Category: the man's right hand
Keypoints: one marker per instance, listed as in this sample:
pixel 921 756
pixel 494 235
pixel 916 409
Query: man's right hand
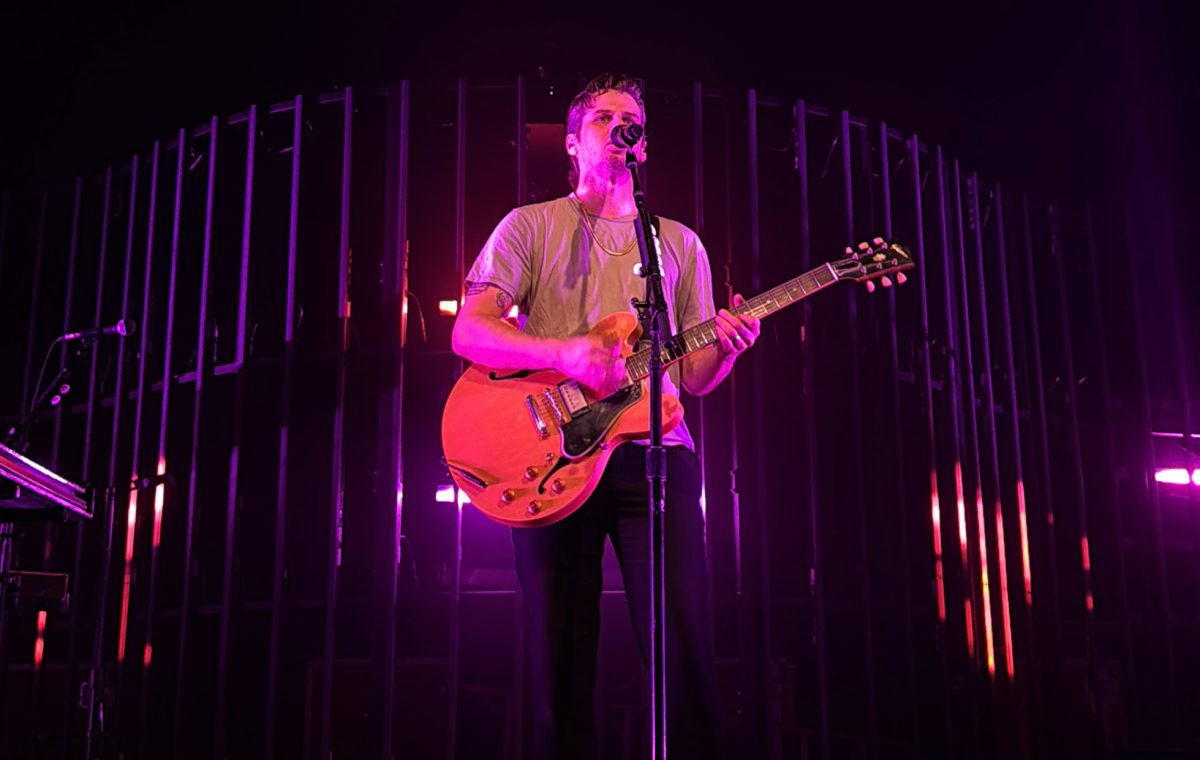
pixel 595 361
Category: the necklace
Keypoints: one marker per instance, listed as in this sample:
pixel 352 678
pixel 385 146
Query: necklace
pixel 592 232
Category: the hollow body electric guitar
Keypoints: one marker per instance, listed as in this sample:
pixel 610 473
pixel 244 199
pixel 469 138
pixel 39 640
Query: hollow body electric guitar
pixel 528 447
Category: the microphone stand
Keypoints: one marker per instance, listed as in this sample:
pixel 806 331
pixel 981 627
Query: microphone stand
pixel 650 311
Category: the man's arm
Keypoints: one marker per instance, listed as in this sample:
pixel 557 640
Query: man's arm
pixel 480 335
pixel 703 371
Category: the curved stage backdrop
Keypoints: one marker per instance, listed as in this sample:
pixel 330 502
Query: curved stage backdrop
pixel 933 520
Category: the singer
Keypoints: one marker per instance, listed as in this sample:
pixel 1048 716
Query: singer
pixel 566 264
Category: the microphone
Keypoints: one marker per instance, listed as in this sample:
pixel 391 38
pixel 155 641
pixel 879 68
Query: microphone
pixel 627 135
pixel 123 327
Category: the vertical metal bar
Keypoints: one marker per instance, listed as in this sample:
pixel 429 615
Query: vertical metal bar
pixel 118 398
pixel 395 285
pixel 935 505
pixel 989 419
pixel 1110 450
pixel 337 468
pixel 235 449
pixel 124 490
pixel 811 474
pixel 762 581
pixel 460 220
pixel 35 291
pixel 971 420
pixel 1033 677
pixel 1183 386
pixel 1149 482
pixel 161 467
pixel 734 465
pixel 139 404
pixel 518 616
pixel 860 496
pixel 1042 424
pixel 197 408
pixel 289 354
pixel 91 400
pixel 1064 318
pixel 698 406
pixel 953 383
pixel 70 697
pixel 914 718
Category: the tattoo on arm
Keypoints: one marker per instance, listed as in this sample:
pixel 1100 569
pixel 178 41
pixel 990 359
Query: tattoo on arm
pixel 503 299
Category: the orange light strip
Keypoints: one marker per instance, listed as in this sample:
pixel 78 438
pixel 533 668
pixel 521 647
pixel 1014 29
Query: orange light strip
pixel 147 655
pixel 39 645
pixel 970 628
pixel 989 642
pixel 961 504
pixel 935 508
pixel 1026 571
pixel 1087 570
pixel 131 524
pixel 1004 612
pixel 159 496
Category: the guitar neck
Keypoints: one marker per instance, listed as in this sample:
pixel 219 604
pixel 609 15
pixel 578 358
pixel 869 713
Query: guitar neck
pixel 705 334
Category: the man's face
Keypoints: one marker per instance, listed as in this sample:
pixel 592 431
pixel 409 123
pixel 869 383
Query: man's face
pixel 592 147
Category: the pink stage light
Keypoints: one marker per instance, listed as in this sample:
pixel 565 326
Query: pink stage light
pixel 1177 476
pixel 445 495
pixel 39 646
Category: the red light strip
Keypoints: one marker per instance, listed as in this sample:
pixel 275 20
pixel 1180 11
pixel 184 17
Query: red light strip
pixel 935 508
pixel 961 503
pixel 1004 612
pixel 1026 571
pixel 1087 570
pixel 985 584
pixel 39 646
pixel 970 627
pixel 131 524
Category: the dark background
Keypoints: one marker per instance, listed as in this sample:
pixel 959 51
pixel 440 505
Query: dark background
pixel 1088 104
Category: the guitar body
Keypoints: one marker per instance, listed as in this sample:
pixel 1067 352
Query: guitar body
pixel 529 447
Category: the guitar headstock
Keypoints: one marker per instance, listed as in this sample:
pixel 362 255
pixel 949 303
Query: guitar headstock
pixel 872 260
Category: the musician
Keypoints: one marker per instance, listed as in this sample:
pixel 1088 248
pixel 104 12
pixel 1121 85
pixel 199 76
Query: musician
pixel 566 264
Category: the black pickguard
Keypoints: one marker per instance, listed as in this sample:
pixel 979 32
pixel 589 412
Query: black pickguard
pixel 583 432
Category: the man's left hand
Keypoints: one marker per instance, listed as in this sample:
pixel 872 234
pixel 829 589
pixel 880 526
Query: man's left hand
pixel 736 332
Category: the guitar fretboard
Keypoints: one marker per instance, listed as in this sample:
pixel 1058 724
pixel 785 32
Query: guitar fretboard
pixel 705 333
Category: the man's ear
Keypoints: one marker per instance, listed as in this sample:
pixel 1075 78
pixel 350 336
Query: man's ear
pixel 570 142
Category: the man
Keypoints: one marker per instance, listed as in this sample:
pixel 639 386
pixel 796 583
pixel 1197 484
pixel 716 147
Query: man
pixel 566 264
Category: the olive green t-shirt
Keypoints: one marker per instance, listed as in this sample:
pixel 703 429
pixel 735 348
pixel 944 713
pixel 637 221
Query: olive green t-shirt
pixel 563 282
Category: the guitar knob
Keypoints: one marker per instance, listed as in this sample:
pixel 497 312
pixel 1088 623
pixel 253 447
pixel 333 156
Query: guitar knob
pixel 507 496
pixel 535 506
pixel 549 457
pixel 530 473
pixel 558 486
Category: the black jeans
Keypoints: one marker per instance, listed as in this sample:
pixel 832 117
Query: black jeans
pixel 559 568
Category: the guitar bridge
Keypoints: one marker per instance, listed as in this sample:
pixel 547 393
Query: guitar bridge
pixel 536 416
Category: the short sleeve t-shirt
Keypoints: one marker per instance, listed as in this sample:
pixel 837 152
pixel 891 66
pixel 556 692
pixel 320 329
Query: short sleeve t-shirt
pixel 563 282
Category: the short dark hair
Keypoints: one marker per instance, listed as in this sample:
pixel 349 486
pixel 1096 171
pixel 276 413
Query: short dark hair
pixel 599 85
